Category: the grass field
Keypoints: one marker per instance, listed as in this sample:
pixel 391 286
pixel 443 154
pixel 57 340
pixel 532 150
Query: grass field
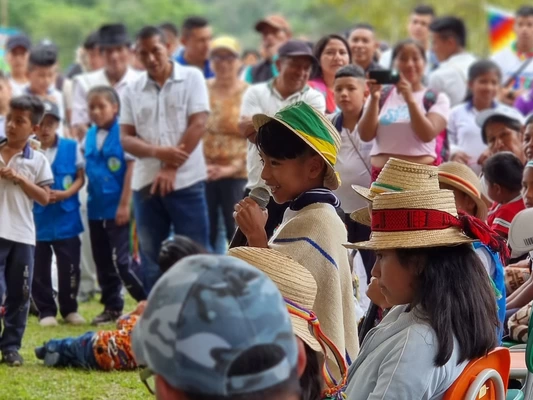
pixel 34 381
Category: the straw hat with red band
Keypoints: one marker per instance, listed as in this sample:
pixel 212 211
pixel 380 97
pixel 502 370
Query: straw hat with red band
pixel 396 176
pixel 462 178
pixel 415 219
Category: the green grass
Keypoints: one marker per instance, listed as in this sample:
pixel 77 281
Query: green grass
pixel 35 381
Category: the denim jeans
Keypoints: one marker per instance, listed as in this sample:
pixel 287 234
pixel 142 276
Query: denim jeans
pixel 184 210
pixel 16 274
pixel 74 351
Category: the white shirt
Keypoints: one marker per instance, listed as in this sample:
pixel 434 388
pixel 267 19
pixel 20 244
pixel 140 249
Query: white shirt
pixel 160 117
pixel 263 98
pixel 465 135
pixel 352 169
pixel 17 89
pixel 16 208
pixel 509 63
pixel 85 82
pixel 2 126
pixel 451 77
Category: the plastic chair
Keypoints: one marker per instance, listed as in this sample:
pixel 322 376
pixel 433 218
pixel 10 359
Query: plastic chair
pixel 485 378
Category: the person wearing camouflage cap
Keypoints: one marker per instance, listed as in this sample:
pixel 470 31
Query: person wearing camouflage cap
pixel 217 328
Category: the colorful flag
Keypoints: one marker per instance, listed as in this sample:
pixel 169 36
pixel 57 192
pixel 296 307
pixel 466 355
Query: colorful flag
pixel 501 32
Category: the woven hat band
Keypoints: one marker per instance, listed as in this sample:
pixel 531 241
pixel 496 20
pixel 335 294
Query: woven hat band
pixel 403 220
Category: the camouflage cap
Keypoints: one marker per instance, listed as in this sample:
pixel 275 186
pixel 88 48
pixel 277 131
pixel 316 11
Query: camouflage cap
pixel 205 313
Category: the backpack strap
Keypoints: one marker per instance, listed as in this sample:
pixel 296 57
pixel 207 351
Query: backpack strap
pixel 337 121
pixel 385 93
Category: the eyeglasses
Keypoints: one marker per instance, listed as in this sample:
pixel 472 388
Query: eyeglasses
pixel 147 377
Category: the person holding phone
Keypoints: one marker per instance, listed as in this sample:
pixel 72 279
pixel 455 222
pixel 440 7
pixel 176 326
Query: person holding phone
pixel 406 118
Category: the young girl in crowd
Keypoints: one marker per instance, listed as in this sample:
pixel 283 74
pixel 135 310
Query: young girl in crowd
pixel 109 171
pixel 111 350
pixel 428 270
pixel 299 147
pixel 464 135
pixel 405 119
pixel 503 175
pixel 332 53
pixel 298 288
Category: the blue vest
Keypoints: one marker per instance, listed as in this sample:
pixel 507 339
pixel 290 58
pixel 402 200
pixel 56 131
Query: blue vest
pixel 61 220
pixel 106 170
pixel 499 282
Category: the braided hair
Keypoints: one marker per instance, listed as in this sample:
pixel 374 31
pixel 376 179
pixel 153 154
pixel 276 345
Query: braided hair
pixel 107 91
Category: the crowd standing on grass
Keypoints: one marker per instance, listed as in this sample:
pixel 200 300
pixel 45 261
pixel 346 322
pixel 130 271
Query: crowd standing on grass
pixel 396 182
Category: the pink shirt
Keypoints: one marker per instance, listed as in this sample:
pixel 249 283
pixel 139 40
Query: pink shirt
pixel 395 134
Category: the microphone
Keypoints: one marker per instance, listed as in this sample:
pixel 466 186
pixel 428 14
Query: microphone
pixel 261 196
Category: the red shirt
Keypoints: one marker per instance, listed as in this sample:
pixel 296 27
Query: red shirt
pixel 501 215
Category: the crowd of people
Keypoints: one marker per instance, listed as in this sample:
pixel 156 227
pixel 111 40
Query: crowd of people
pixel 132 170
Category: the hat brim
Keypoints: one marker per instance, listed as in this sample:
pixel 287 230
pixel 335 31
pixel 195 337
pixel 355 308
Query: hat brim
pixel 365 193
pixel 331 180
pixel 412 240
pixel 223 47
pixel 301 54
pixel 260 25
pixel 300 328
pixel 481 206
pixel 362 216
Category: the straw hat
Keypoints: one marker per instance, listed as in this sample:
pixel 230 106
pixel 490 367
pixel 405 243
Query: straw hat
pixel 293 280
pixel 396 176
pixel 314 129
pixel 462 178
pixel 414 219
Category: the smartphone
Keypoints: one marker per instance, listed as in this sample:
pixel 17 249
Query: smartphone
pixel 384 77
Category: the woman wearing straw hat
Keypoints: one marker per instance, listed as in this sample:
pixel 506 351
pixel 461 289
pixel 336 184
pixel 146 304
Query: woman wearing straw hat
pixel 299 290
pixel 299 147
pixel 444 313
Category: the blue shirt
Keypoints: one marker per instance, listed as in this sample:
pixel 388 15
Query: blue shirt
pixel 207 71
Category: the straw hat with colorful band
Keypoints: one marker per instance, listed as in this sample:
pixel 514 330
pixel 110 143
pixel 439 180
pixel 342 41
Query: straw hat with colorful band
pixel 462 178
pixel 396 176
pixel 399 175
pixel 414 219
pixel 314 129
pixel 293 280
pixel 335 389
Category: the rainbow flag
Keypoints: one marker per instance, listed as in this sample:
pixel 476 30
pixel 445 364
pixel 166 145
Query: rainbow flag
pixel 501 33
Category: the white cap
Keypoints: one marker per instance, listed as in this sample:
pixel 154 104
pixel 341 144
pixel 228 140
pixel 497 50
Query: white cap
pixel 521 233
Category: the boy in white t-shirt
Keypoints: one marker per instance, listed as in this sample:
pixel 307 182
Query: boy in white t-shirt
pixel 25 177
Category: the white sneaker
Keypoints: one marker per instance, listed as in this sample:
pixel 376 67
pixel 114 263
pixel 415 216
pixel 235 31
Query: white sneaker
pixel 75 319
pixel 48 321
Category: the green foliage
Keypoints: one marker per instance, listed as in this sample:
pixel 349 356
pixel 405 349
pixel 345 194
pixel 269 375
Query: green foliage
pixel 67 22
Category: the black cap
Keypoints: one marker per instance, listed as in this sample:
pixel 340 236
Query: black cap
pixel 18 41
pixel 113 35
pixel 51 109
pixel 296 48
pixel 43 55
pixel 50 45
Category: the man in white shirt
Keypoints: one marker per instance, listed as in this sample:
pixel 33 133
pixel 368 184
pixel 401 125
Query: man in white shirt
pixel 294 64
pixel 418 29
pixel 448 37
pixel 114 44
pixel 163 119
pixel 511 59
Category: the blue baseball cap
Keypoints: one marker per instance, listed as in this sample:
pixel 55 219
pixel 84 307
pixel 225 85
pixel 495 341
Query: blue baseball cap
pixel 207 314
